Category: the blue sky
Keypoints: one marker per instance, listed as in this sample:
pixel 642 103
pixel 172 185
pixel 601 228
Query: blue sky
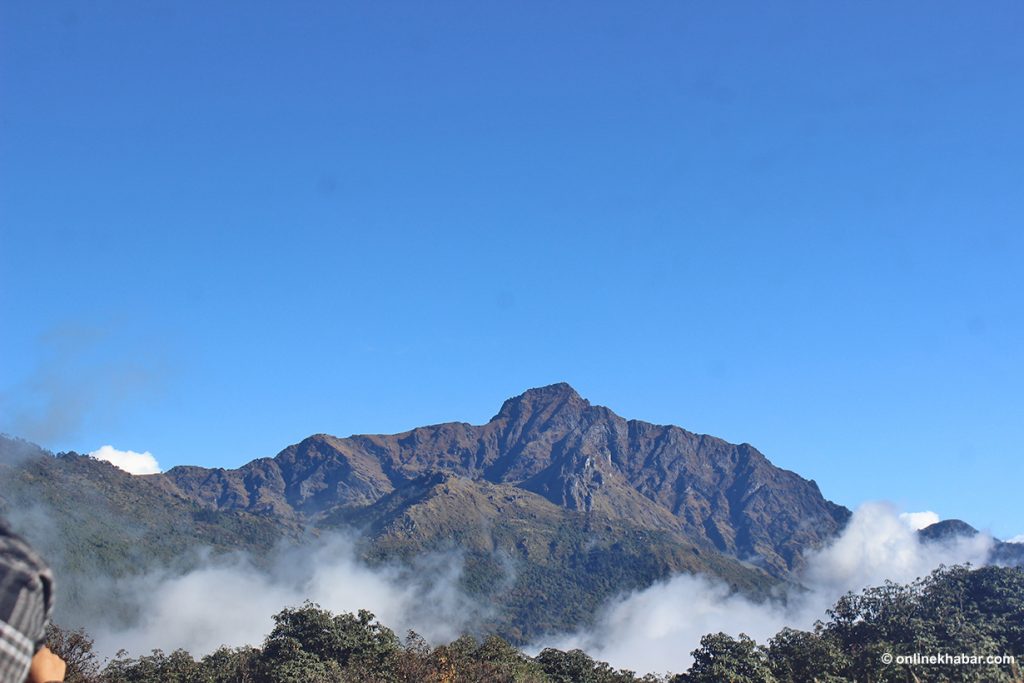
pixel 799 225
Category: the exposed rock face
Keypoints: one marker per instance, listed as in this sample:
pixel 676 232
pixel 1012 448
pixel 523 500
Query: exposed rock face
pixel 552 442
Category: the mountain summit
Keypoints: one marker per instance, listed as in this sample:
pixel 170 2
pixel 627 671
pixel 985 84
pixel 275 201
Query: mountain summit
pixel 554 398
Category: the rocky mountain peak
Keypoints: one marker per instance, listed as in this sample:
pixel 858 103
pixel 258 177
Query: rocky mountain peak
pixel 550 401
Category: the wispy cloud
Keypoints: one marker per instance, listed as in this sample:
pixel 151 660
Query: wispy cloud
pixel 83 374
pixel 229 601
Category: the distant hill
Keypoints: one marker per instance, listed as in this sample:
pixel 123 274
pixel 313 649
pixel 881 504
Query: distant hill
pixel 96 523
pixel 1007 554
pixel 582 503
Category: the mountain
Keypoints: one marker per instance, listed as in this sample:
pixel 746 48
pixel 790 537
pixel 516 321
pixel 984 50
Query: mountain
pixel 555 505
pixel 553 443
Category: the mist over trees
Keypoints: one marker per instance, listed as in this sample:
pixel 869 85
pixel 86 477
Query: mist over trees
pixel 953 611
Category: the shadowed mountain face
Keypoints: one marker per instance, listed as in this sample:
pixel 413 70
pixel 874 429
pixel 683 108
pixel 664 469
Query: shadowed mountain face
pixel 555 445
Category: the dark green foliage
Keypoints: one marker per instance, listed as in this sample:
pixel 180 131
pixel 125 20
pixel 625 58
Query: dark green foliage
pixel 955 611
pixel 311 638
pixel 177 667
pixel 230 665
pixel 721 658
pixel 466 661
pixel 802 656
pixel 576 666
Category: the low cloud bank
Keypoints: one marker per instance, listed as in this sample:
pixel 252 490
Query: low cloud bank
pixel 229 601
pixel 655 629
pixel 129 461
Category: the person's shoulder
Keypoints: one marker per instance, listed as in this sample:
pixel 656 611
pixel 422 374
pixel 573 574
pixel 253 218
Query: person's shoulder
pixel 17 553
pixel 26 594
pixel 23 572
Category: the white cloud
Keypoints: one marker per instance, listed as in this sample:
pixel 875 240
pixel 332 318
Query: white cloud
pixel 878 545
pixel 652 630
pixel 228 601
pixel 919 520
pixel 1019 538
pixel 655 629
pixel 129 461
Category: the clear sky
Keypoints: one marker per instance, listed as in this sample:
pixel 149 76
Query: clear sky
pixel 227 226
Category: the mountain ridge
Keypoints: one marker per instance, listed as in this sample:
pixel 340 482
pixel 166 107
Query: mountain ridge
pixel 553 442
